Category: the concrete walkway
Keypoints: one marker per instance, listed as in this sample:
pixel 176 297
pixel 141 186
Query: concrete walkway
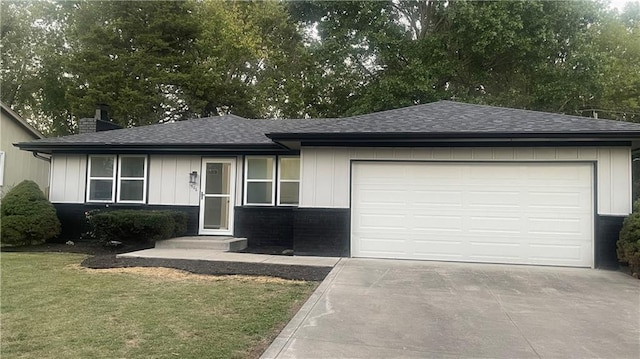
pixel 212 255
pixel 409 309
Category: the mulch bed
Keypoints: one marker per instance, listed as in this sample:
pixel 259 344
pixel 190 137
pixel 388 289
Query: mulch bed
pixel 105 257
pixel 295 272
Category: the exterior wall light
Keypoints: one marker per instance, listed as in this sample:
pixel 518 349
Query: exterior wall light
pixel 193 177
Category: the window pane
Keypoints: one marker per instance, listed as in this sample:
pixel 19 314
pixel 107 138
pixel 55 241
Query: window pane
pixel 260 168
pixel 289 192
pixel 218 178
pixel 131 190
pixel 290 168
pixel 132 167
pixel 100 190
pixel 259 193
pixel 102 166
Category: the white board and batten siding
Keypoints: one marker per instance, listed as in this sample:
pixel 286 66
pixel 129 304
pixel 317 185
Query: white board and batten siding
pixel 168 179
pixel 68 178
pixel 326 171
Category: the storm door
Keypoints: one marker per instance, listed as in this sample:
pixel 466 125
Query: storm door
pixel 216 196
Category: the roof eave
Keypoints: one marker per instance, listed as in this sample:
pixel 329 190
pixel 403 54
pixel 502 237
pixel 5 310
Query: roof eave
pixel 21 121
pixel 383 136
pixel 144 148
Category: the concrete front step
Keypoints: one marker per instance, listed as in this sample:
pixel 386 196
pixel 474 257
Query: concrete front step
pixel 228 244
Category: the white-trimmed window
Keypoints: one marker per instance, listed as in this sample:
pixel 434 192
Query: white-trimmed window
pixel 260 185
pixel 101 182
pixel 122 177
pixel 288 181
pixel 132 179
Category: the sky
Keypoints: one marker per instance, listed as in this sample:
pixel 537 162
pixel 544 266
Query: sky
pixel 619 4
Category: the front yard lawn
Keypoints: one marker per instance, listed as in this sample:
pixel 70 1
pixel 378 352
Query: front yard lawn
pixel 50 307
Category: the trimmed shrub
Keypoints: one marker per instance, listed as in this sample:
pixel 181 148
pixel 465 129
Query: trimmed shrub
pixel 180 219
pixel 27 217
pixel 629 241
pixel 137 225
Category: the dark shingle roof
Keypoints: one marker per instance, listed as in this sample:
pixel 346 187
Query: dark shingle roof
pixel 456 117
pixel 438 119
pixel 212 130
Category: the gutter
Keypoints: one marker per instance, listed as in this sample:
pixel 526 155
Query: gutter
pixel 39 156
pixel 381 136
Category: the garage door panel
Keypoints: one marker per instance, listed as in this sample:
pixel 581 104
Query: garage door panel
pixel 559 200
pixel 551 253
pixel 421 197
pixel 436 223
pixel 382 222
pixel 495 198
pixel 387 197
pixel 528 213
pixel 485 251
pixel 381 246
pixel 557 226
pixel 495 224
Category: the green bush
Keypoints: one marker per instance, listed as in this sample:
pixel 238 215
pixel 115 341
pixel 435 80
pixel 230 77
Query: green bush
pixel 629 241
pixel 137 225
pixel 27 217
pixel 180 219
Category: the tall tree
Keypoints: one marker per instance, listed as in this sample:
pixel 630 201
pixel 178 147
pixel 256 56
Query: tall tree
pixel 133 56
pixel 534 54
pixel 249 62
pixel 31 45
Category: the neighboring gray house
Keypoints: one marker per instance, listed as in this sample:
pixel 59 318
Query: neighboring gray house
pixel 15 165
pixel 441 181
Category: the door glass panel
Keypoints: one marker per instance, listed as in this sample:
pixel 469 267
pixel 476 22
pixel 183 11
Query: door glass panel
pixel 217 178
pixel 216 213
pixel 102 166
pixel 289 192
pixel 259 192
pixel 260 168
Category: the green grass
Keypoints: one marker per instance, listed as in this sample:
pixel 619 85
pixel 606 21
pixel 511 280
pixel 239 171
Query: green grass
pixel 50 308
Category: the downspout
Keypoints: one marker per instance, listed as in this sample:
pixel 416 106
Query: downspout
pixel 39 156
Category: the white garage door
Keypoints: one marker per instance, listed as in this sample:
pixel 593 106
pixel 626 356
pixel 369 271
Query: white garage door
pixel 526 213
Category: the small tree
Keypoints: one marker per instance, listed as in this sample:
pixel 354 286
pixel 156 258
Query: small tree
pixel 629 241
pixel 27 217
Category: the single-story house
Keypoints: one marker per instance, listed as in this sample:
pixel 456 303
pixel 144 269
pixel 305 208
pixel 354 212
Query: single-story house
pixel 15 165
pixel 443 181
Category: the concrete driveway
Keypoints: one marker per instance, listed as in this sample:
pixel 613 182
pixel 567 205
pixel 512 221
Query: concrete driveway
pixel 389 308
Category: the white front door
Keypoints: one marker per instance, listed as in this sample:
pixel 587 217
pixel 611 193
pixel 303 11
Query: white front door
pixel 217 191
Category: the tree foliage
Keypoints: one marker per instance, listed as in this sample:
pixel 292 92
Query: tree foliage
pixel 172 60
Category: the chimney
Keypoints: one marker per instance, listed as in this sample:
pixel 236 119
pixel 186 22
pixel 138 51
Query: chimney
pixel 100 122
pixel 86 125
pixel 102 112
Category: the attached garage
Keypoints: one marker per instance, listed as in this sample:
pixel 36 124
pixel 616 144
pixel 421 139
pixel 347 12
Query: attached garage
pixel 497 212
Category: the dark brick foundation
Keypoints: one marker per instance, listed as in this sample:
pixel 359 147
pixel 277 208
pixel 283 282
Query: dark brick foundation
pixel 607 233
pixel 73 222
pixel 264 226
pixel 322 231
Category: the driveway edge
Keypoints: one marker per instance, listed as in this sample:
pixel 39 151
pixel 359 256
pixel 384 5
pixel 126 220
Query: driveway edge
pixel 285 335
